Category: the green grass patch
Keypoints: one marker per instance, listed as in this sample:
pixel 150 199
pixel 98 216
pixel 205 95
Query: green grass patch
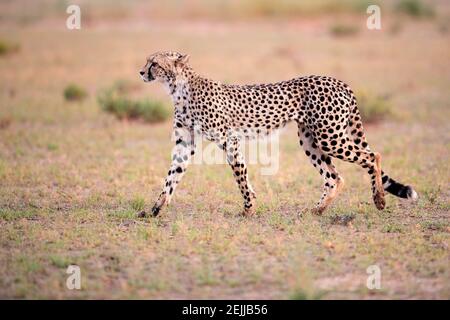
pixel 436 225
pixel 12 215
pixel 432 194
pixel 116 100
pixel 59 261
pixel 302 294
pixel 74 92
pixel 392 228
pixel 28 264
pixel 123 214
pixel 205 274
pixel 138 204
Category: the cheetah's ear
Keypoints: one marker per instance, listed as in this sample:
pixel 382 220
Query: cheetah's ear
pixel 183 60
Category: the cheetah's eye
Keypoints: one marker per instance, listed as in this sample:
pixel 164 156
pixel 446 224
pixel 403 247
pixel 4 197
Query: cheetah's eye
pixel 153 64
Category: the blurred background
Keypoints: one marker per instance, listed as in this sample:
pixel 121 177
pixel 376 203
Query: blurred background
pixel 85 144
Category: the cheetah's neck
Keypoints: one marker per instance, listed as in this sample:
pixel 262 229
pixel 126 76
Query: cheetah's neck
pixel 179 89
pixel 179 92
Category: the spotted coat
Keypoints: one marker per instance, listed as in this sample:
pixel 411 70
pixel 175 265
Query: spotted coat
pixel 324 108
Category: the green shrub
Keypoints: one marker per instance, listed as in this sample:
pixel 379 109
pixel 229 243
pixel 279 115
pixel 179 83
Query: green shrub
pixel 372 108
pixel 74 92
pixel 7 47
pixel 52 146
pixel 415 8
pixel 116 101
pixel 343 30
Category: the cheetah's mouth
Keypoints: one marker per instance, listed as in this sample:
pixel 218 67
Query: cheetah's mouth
pixel 148 79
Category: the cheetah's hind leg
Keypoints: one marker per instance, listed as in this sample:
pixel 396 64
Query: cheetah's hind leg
pixel 333 182
pixel 378 195
pixel 331 192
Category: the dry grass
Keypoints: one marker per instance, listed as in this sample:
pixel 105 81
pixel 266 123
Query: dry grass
pixel 72 177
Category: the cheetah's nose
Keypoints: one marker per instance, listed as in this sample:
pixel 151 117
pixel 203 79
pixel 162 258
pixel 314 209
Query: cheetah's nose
pixel 141 73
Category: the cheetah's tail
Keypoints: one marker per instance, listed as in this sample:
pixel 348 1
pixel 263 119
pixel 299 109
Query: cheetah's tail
pixel 398 189
pixel 356 131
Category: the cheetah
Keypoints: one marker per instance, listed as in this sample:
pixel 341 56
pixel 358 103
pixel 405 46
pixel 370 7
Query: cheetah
pixel 324 108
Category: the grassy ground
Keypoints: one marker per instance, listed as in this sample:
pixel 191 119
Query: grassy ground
pixel 72 177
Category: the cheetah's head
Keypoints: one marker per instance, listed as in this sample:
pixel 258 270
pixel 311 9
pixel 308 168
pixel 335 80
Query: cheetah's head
pixel 164 66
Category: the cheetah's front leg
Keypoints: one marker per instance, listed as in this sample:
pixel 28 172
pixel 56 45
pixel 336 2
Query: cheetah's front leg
pixel 237 163
pixel 181 154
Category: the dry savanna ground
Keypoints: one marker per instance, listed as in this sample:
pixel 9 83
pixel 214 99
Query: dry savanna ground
pixel 73 177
